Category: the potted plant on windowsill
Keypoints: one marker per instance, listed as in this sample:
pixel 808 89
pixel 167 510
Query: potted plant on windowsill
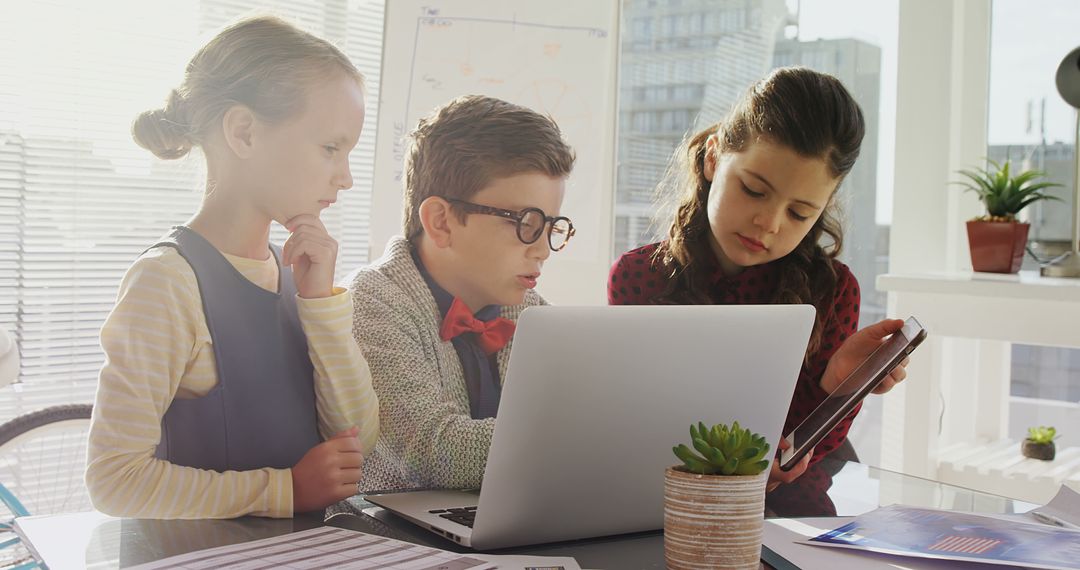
pixel 714 502
pixel 996 240
pixel 1039 443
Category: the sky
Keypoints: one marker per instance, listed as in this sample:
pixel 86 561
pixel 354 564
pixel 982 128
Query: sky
pixel 1028 40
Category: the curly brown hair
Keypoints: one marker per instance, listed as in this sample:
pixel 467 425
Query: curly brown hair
pixel 814 115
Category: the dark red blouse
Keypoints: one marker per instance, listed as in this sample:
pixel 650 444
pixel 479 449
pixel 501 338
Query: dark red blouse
pixel 635 280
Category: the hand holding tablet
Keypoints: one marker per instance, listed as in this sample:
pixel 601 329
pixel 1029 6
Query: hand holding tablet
pixel 864 379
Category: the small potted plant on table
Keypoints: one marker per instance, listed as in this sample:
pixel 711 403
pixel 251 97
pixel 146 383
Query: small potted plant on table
pixel 714 502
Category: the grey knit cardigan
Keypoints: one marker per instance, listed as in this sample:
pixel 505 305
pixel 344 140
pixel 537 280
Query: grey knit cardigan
pixel 428 438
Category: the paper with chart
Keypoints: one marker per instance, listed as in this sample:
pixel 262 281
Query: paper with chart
pixel 950 535
pixel 324 547
pixel 784 541
pixel 555 57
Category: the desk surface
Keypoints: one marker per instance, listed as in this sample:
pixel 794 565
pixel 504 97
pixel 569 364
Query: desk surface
pixel 829 488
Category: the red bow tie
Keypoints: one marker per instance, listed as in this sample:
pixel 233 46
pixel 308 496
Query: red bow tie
pixel 493 334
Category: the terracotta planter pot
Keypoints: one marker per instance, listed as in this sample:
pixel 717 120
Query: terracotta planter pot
pixel 713 521
pixel 997 247
pixel 1043 451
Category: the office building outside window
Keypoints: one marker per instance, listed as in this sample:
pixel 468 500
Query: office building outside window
pixel 1032 126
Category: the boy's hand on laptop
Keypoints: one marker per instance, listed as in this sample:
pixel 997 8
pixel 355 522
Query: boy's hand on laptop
pixel 855 350
pixel 311 253
pixel 778 476
pixel 328 472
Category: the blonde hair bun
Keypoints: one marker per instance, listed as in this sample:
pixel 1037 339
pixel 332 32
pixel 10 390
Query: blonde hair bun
pixel 263 63
pixel 164 132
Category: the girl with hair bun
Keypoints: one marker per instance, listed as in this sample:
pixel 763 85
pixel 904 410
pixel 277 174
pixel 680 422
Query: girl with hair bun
pixel 232 384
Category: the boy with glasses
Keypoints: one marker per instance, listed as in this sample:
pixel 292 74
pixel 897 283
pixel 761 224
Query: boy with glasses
pixel 484 183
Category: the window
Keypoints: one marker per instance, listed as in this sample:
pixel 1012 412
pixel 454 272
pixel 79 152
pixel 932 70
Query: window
pixel 1031 125
pixel 643 28
pixel 79 200
pixel 745 39
pixel 861 52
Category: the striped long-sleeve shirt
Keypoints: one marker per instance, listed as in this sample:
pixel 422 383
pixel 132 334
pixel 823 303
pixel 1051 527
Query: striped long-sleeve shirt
pixel 158 348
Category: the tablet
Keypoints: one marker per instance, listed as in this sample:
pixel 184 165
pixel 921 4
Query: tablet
pixel 851 391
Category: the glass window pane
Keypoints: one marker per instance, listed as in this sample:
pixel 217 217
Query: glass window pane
pixel 79 200
pixel 1031 125
pixel 679 88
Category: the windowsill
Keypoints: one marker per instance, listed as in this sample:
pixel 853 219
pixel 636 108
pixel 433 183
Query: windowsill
pixel 1027 285
pixel 1025 308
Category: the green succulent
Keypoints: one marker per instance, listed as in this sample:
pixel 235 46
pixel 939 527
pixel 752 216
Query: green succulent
pixel 1005 195
pixel 724 451
pixel 1042 434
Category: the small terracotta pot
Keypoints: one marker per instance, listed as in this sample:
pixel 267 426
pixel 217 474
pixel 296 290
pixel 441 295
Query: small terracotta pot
pixel 997 247
pixel 713 521
pixel 1043 451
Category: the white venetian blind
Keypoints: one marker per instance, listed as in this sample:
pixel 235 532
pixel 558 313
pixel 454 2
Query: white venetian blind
pixel 79 200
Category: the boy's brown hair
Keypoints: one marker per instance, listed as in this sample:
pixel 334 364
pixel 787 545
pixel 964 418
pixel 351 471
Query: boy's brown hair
pixel 464 145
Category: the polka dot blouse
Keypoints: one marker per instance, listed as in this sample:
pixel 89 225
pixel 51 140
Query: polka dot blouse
pixel 634 280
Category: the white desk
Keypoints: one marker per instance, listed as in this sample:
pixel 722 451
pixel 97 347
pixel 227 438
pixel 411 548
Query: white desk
pixel 832 487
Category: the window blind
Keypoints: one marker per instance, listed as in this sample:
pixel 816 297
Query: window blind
pixel 79 200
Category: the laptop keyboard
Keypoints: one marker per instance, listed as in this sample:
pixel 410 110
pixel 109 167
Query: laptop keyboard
pixel 463 516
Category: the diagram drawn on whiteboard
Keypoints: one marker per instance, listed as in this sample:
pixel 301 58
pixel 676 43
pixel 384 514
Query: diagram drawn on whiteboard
pixel 562 71
pixel 527 63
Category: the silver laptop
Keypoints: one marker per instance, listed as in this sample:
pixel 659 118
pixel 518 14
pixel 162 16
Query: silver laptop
pixel 594 400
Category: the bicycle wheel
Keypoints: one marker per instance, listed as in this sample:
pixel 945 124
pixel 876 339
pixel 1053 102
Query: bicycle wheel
pixel 43 458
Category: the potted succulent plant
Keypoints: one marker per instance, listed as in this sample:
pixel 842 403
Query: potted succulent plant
pixel 997 239
pixel 714 502
pixel 1039 443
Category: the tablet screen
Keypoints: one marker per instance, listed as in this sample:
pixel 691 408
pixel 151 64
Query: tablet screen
pixel 857 385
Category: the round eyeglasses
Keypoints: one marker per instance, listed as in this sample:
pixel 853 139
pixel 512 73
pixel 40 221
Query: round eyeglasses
pixel 530 223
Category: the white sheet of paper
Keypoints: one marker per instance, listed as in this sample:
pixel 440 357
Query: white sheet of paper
pixel 1065 506
pixel 508 562
pixel 62 542
pixel 320 548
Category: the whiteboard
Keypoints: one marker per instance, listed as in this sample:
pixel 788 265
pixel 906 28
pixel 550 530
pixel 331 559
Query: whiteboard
pixel 557 57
